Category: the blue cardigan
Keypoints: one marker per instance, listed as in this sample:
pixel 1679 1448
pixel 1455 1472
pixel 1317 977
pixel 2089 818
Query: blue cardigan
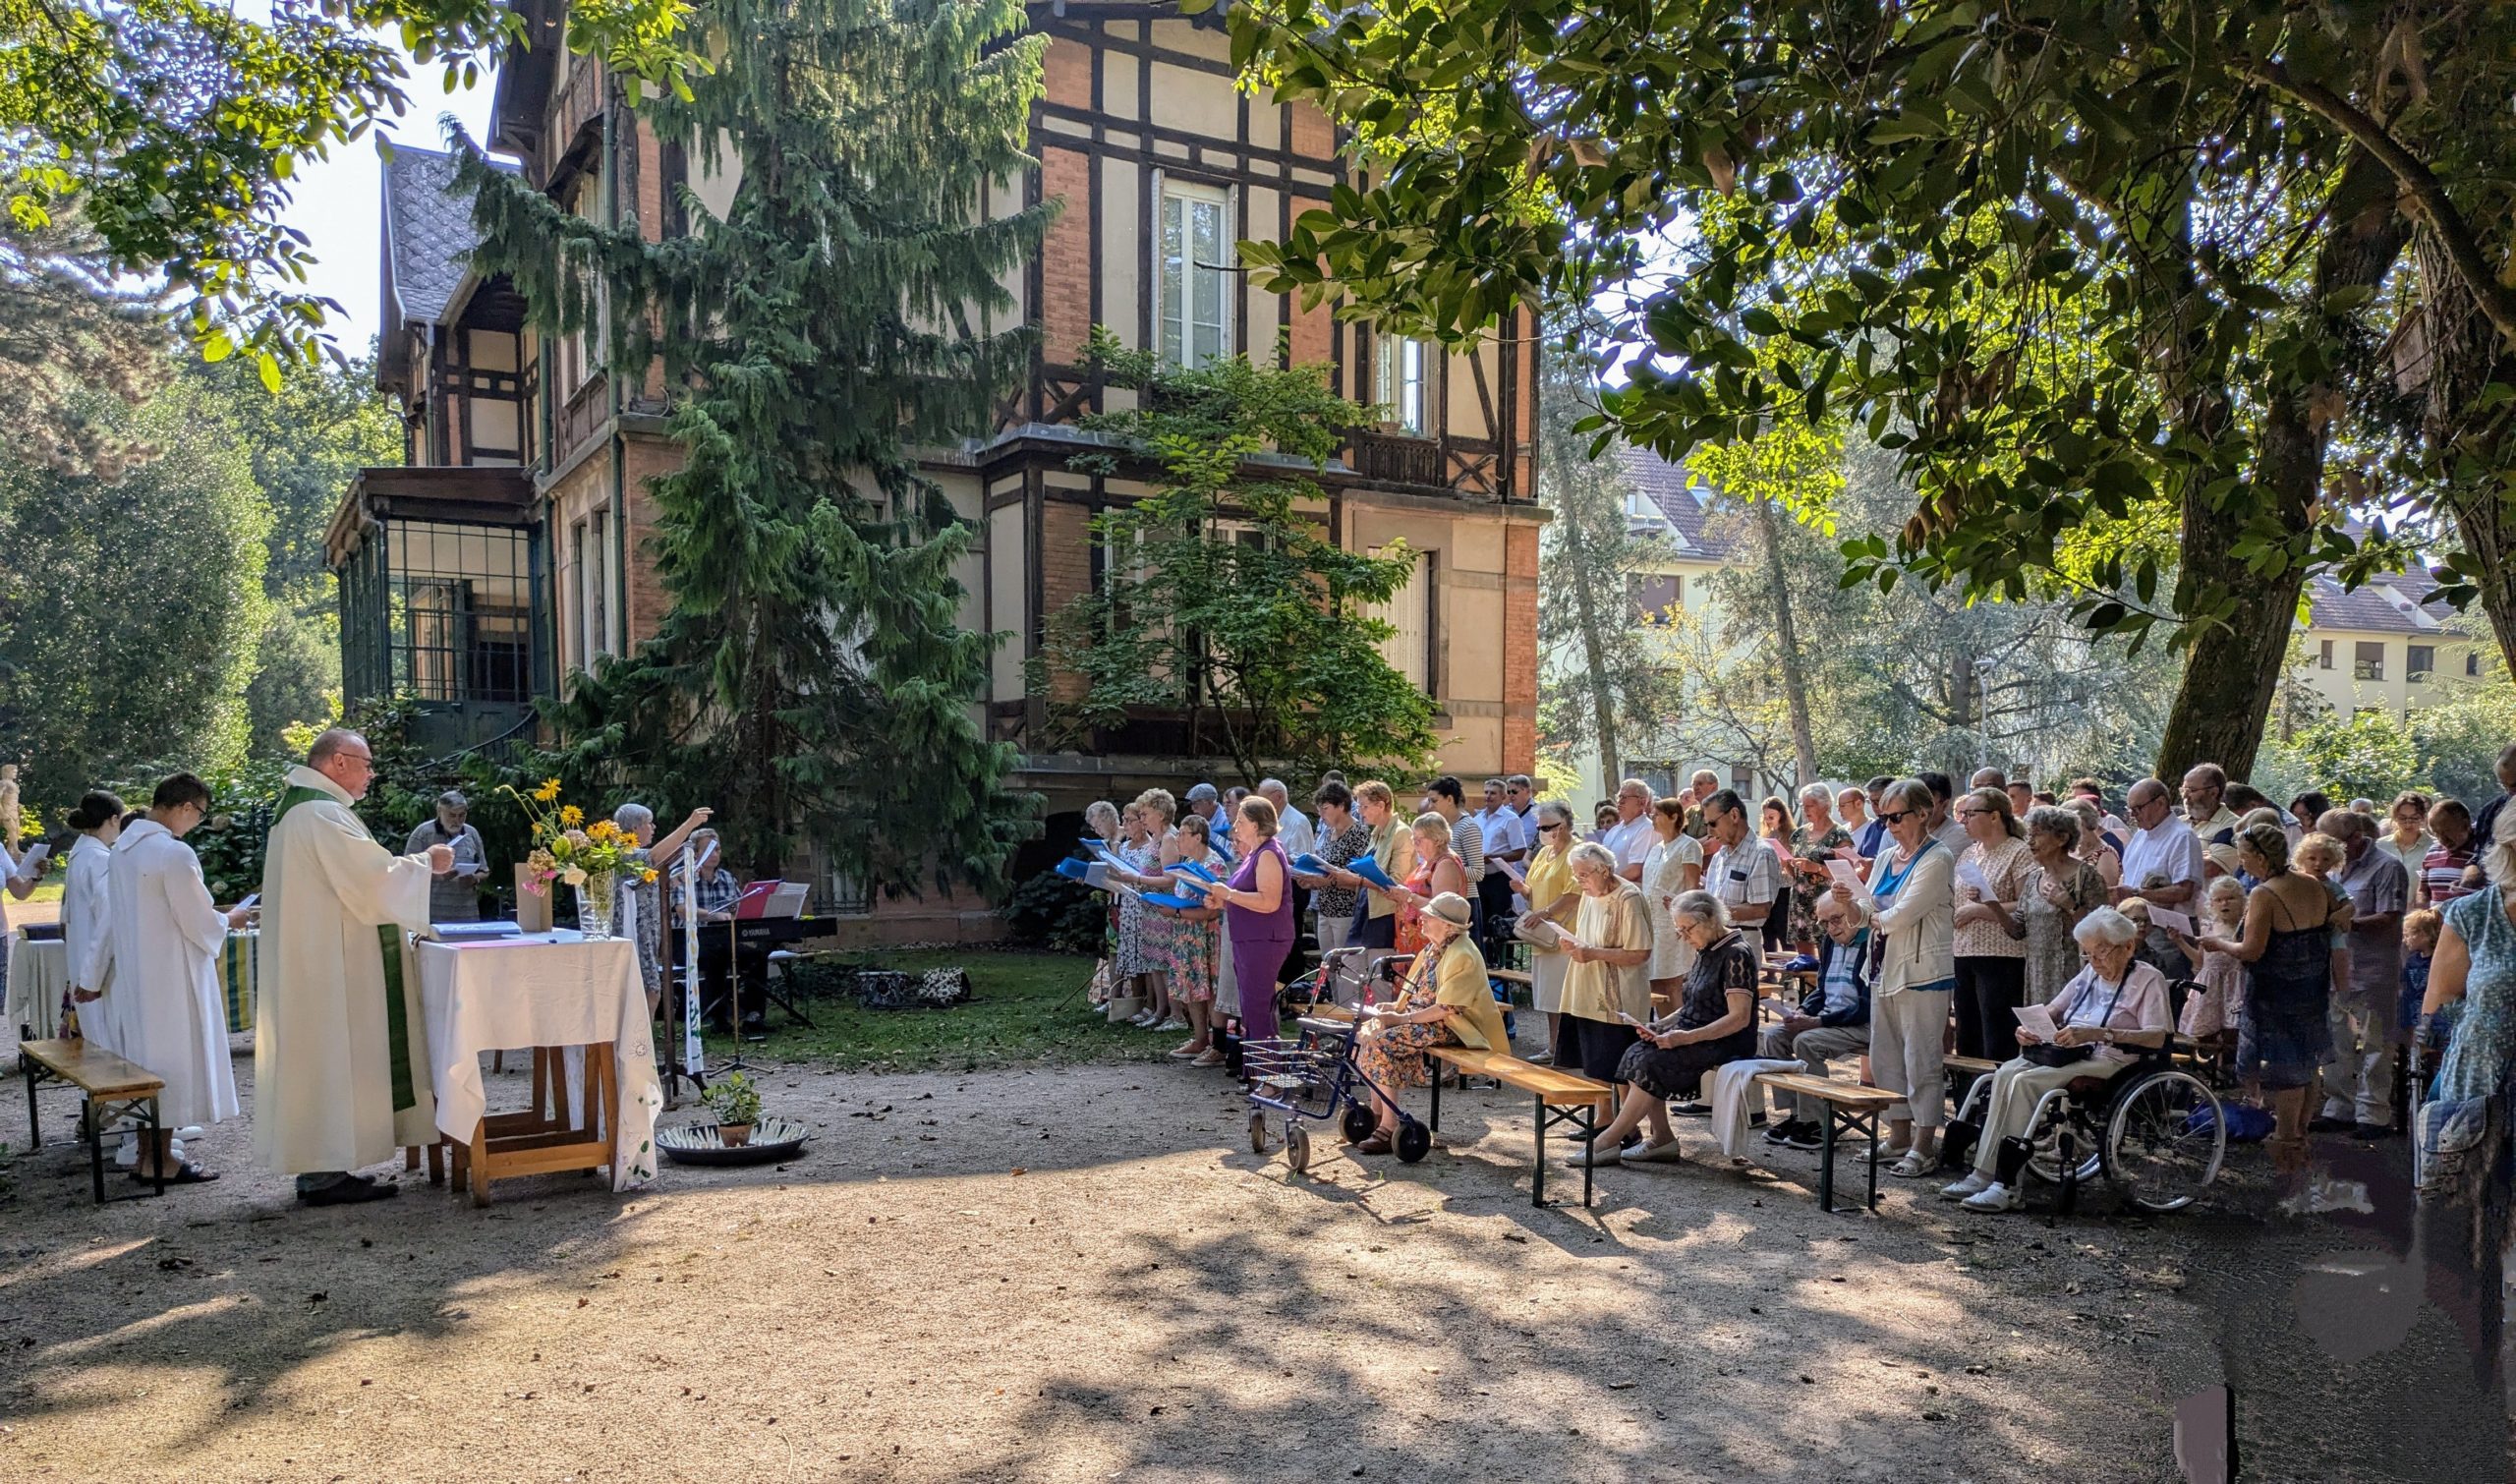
pixel 1813 1003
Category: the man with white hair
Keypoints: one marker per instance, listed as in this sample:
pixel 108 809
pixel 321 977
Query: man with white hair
pixel 340 1051
pixel 454 897
pixel 1630 838
pixel 1294 829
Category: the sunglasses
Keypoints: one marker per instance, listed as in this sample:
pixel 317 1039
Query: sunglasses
pixel 1890 818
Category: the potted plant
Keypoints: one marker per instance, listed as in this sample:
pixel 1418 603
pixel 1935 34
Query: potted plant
pixel 736 1104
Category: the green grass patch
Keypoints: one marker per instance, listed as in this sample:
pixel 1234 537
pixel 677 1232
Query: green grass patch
pixel 46 891
pixel 1025 1009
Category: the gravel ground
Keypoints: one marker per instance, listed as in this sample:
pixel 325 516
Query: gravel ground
pixel 1083 1272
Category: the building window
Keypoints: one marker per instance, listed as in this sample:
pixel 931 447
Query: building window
pixel 1656 595
pixel 2472 663
pixel 2323 655
pixel 1410 612
pixel 2420 664
pixel 1401 392
pixel 2370 663
pixel 1197 277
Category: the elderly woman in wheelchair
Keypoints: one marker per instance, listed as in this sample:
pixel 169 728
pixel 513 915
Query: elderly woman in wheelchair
pixel 2115 1008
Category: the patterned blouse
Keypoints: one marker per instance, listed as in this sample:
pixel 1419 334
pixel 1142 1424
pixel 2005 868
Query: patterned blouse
pixel 2005 867
pixel 2052 953
pixel 1337 904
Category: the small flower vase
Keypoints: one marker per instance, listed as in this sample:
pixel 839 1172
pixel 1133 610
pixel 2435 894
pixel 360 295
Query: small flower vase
pixel 596 900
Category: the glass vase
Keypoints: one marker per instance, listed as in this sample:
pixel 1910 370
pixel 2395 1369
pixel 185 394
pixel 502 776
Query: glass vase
pixel 596 901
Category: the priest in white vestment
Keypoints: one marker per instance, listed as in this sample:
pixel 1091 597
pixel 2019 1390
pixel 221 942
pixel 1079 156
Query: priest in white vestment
pixel 162 956
pixel 340 1060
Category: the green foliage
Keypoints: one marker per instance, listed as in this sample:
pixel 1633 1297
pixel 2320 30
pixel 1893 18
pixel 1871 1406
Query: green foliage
pixel 1263 633
pixel 734 1099
pixel 810 680
pixel 2368 756
pixel 175 128
pixel 129 608
pixel 2460 741
pixel 1605 682
pixel 1026 1010
pixel 1049 911
pixel 73 343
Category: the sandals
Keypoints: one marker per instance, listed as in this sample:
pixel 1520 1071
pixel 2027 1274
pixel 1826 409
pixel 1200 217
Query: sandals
pixel 1913 1165
pixel 184 1174
pixel 1373 1145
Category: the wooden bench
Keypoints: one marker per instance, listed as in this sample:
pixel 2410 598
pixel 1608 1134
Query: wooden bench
pixel 1850 1109
pixel 1969 1068
pixel 1561 1097
pixel 112 1087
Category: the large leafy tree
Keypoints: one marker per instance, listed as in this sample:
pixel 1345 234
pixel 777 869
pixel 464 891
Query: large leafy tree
pixel 1262 629
pixel 1605 679
pixel 171 129
pixel 810 680
pixel 72 339
pixel 128 606
pixel 2071 260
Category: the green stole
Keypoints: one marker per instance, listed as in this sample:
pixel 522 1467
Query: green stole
pixel 397 1014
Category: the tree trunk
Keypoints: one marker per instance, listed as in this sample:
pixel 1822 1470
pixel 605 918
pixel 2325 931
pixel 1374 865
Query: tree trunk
pixel 2463 356
pixel 2224 700
pixel 1795 675
pixel 1594 653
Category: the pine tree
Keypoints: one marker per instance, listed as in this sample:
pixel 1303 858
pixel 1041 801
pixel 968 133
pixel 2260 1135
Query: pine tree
pixel 810 680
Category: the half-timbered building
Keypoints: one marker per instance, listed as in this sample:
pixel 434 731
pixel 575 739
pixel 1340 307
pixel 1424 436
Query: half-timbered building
pixel 1163 161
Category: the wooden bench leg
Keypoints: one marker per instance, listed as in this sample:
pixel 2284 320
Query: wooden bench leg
pixel 436 1162
pixel 1827 1161
pixel 35 1120
pixel 96 1147
pixel 1537 1181
pixel 149 1131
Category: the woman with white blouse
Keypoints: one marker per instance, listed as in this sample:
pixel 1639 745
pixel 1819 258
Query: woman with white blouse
pixel 1908 905
pixel 1671 868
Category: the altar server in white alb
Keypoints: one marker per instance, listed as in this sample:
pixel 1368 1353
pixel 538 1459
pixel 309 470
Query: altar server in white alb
pixel 340 1060
pixel 160 957
pixel 84 919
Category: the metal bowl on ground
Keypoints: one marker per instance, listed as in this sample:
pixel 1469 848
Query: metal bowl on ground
pixel 771 1140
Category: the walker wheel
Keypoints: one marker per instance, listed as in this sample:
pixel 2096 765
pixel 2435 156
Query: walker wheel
pixel 1297 1147
pixel 1359 1122
pixel 1414 1141
pixel 1258 1130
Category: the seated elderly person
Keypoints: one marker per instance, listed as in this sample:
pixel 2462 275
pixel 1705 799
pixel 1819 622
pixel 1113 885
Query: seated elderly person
pixel 2116 1002
pixel 1715 1023
pixel 1833 1019
pixel 1445 1002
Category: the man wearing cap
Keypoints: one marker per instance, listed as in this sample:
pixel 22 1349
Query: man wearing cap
pixel 1206 802
pixel 454 897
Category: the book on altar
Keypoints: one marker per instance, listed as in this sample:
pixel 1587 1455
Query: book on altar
pixel 2037 1021
pixel 485 931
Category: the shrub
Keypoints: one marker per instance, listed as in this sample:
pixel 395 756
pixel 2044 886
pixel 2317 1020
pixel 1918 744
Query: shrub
pixel 1063 916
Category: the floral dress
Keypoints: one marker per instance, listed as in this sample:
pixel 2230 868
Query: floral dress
pixel 1192 948
pixel 2052 953
pixel 1133 956
pixel 1817 850
pixel 2219 1003
pixel 1393 1056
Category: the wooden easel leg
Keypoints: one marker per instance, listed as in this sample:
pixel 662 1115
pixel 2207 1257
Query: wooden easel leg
pixel 481 1162
pixel 436 1162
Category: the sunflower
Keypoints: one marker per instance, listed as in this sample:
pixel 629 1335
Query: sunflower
pixel 570 816
pixel 547 793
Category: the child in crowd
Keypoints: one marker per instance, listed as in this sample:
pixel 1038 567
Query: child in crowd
pixel 2216 1008
pixel 2319 855
pixel 2419 945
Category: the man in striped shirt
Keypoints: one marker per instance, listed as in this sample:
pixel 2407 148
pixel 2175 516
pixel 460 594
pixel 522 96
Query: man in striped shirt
pixel 2442 873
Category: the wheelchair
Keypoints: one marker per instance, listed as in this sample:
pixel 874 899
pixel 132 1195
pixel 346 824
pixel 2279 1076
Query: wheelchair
pixel 2154 1130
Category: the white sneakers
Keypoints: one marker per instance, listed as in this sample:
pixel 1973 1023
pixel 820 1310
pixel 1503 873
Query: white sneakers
pixel 1995 1196
pixel 1596 1156
pixel 1972 1184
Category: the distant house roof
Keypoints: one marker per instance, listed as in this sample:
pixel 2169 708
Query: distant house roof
pixel 2384 605
pixel 429 236
pixel 1680 499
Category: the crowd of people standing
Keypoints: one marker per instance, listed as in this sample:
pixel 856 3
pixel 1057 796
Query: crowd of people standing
pixel 2307 940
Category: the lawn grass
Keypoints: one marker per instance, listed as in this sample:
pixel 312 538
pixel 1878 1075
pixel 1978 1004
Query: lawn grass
pixel 46 891
pixel 1024 1007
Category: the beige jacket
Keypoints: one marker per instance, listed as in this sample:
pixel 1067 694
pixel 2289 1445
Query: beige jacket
pixel 1918 927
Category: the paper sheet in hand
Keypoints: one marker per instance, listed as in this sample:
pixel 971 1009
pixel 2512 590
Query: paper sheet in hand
pixel 1970 874
pixel 2037 1021
pixel 2173 922
pixel 1191 868
pixel 1515 870
pixel 1845 872
pixel 31 862
pixel 1529 927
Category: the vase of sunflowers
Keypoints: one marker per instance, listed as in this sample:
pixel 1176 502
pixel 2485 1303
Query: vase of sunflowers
pixel 595 858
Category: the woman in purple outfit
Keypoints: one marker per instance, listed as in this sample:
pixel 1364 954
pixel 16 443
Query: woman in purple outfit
pixel 1258 914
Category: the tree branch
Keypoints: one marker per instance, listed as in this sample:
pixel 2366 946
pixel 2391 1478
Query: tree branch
pixel 2429 199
